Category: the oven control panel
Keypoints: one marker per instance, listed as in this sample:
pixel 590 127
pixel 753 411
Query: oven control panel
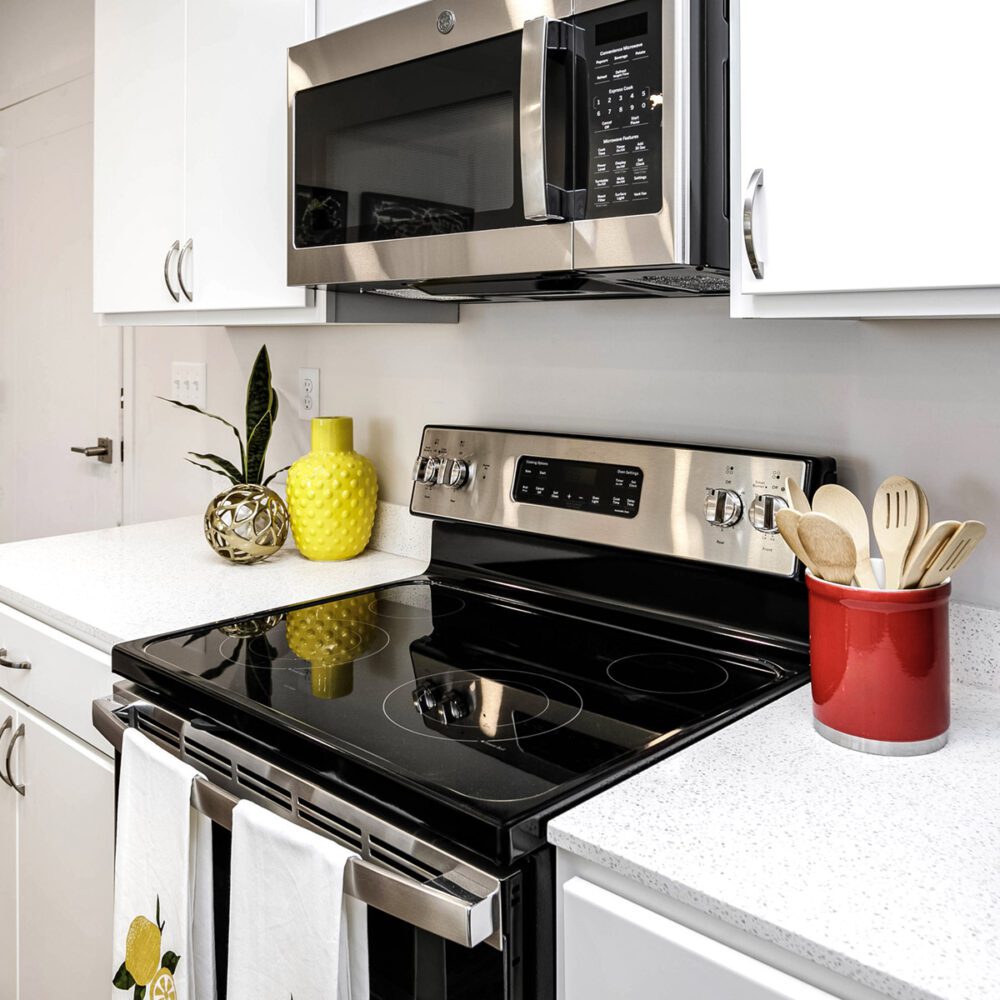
pixel 694 503
pixel 625 109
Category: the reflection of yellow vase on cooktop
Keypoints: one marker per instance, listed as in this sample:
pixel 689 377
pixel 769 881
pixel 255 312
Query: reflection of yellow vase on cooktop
pixel 328 636
pixel 332 493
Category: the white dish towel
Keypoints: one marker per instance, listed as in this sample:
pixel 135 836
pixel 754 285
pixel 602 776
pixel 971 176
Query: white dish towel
pixel 164 943
pixel 293 932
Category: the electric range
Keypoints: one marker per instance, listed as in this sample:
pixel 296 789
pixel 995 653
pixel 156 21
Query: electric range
pixel 590 606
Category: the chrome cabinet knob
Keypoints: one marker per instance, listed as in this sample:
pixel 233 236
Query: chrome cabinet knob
pixel 723 508
pixel 763 512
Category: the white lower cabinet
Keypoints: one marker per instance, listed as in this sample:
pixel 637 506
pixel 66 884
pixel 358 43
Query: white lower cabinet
pixel 613 947
pixel 8 862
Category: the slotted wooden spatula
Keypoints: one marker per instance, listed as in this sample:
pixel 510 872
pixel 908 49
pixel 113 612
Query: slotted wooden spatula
pixel 895 518
pixel 923 552
pixel 847 510
pixel 957 549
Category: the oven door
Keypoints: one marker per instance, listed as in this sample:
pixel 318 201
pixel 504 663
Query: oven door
pixel 434 143
pixel 439 928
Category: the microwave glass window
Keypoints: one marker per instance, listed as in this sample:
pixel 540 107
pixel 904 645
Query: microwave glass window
pixel 424 148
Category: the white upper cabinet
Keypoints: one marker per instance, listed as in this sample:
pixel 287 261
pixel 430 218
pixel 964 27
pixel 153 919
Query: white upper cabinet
pixel 332 15
pixel 870 125
pixel 190 160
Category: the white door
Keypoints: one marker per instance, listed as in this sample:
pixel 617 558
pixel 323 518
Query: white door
pixel 871 124
pixel 615 948
pixel 66 864
pixel 60 372
pixel 8 861
pixel 237 161
pixel 138 152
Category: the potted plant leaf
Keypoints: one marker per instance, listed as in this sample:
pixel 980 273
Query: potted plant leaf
pixel 247 521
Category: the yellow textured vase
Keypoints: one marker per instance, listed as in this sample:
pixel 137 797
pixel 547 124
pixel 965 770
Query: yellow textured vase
pixel 332 493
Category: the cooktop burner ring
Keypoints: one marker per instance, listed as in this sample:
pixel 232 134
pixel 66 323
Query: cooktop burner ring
pixel 442 604
pixel 668 673
pixel 407 699
pixel 355 641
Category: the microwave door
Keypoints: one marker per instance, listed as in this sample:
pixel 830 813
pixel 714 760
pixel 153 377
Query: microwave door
pixel 438 156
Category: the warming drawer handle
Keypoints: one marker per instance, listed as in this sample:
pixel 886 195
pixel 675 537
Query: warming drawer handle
pixel 534 71
pixel 467 922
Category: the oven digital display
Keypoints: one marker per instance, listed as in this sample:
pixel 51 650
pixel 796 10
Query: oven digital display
pixel 593 486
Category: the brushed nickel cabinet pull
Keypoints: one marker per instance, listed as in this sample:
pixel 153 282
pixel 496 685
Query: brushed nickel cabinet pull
pixel 14 664
pixel 19 732
pixel 749 203
pixel 188 293
pixel 174 248
pixel 8 723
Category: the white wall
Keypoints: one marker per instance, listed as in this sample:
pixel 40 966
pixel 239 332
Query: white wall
pixel 915 397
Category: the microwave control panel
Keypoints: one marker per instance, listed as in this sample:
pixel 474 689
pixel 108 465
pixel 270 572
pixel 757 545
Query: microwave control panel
pixel 624 109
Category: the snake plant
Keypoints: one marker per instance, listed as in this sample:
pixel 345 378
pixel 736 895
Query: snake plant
pixel 261 413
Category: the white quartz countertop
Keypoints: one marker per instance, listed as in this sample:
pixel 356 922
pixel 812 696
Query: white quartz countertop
pixel 885 870
pixel 107 586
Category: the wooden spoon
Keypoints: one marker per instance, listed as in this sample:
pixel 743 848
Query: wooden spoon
pixel 895 518
pixel 797 497
pixel 829 547
pixel 922 555
pixel 956 550
pixel 788 525
pixel 842 506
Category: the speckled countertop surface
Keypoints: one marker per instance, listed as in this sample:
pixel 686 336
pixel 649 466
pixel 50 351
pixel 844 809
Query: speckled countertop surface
pixel 103 587
pixel 885 870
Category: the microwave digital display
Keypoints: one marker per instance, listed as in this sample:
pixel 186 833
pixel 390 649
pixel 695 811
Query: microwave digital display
pixel 624 27
pixel 592 486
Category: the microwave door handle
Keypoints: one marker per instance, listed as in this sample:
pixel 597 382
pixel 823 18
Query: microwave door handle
pixel 534 69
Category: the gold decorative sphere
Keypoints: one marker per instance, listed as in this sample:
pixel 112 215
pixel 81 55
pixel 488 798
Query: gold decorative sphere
pixel 246 523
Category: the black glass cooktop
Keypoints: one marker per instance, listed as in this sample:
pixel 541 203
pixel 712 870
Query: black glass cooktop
pixel 496 705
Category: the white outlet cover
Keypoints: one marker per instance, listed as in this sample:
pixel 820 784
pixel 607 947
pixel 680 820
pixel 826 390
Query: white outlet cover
pixel 188 383
pixel 308 393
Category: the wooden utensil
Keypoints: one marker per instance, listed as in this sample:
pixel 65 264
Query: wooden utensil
pixel 923 553
pixel 956 550
pixel 797 497
pixel 895 518
pixel 829 547
pixel 842 506
pixel 788 525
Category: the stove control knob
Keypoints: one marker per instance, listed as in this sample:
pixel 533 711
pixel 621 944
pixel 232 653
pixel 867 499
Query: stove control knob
pixel 452 708
pixel 426 470
pixel 424 700
pixel 456 473
pixel 420 468
pixel 723 508
pixel 764 511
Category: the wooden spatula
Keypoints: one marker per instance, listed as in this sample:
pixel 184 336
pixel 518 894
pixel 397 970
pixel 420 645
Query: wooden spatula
pixel 957 549
pixel 895 518
pixel 788 525
pixel 842 506
pixel 923 553
pixel 797 497
pixel 829 547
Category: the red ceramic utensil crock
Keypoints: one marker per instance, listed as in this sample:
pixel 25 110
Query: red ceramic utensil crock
pixel 880 667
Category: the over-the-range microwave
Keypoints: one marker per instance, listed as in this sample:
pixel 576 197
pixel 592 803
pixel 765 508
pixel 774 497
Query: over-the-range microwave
pixel 513 149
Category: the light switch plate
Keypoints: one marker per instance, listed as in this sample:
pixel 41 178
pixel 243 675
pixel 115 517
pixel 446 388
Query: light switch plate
pixel 308 395
pixel 187 383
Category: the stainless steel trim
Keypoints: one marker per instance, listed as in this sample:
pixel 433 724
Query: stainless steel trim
pixel 185 250
pixel 18 734
pixel 534 64
pixel 12 665
pixel 670 518
pixel 102 451
pixel 425 886
pixel 8 723
pixel 882 748
pixel 749 203
pixel 174 248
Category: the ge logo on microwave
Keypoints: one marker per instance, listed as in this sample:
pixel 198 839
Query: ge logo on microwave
pixel 446 21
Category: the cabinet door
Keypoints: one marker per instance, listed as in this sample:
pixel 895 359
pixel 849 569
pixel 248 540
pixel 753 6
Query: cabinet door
pixel 870 123
pixel 8 862
pixel 138 150
pixel 66 863
pixel 237 160
pixel 616 948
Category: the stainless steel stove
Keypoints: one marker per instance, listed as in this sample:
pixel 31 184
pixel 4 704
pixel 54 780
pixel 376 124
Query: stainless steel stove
pixel 590 606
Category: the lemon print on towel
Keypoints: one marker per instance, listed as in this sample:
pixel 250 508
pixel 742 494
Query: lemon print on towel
pixel 145 971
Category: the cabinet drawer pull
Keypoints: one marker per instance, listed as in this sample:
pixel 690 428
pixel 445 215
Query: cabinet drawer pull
pixel 749 202
pixel 174 248
pixel 13 664
pixel 8 723
pixel 188 294
pixel 18 733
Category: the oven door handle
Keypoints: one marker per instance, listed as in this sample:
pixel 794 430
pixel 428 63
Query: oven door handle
pixel 441 906
pixel 534 78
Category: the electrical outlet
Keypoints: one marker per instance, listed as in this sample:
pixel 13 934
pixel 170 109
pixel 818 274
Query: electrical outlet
pixel 187 382
pixel 308 393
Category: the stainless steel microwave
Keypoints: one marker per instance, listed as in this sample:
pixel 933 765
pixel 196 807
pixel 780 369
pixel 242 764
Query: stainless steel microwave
pixel 479 149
